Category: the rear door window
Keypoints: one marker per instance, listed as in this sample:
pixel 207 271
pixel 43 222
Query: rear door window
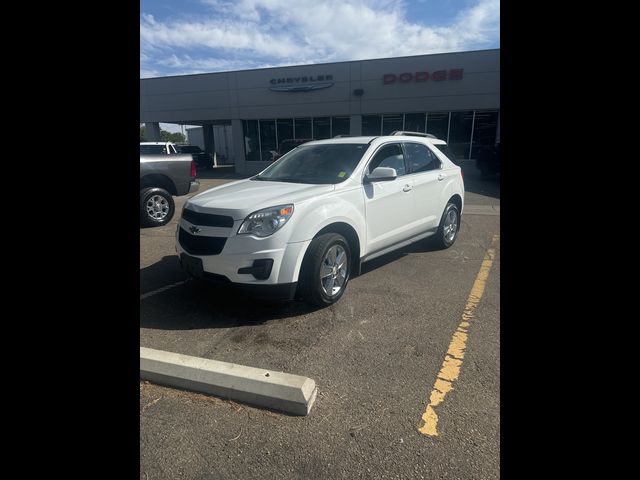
pixel 420 158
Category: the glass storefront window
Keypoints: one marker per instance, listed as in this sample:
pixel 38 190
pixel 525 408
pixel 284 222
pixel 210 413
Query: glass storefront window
pixel 484 130
pixel 391 123
pixel 371 125
pixel 340 126
pixel 414 122
pixel 438 124
pixel 251 141
pixel 460 133
pixel 268 139
pixel 321 128
pixel 285 129
pixel 261 137
pixel 303 128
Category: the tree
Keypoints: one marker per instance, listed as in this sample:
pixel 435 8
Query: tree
pixel 165 136
pixel 176 137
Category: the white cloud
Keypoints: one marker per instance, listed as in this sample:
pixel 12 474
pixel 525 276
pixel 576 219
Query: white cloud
pixel 258 33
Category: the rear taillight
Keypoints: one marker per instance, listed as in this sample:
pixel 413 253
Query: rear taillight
pixel 193 168
pixel 462 173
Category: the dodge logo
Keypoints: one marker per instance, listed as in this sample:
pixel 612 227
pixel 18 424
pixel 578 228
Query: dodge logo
pixel 193 229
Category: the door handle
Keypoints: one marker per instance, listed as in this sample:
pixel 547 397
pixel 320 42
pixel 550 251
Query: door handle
pixel 407 188
pixel 441 176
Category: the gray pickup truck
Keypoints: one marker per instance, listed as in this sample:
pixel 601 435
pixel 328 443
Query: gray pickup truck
pixel 162 177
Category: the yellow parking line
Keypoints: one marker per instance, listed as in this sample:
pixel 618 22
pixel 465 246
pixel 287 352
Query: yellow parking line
pixel 455 354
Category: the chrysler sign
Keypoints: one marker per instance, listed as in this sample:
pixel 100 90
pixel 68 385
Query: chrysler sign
pixel 420 77
pixel 301 84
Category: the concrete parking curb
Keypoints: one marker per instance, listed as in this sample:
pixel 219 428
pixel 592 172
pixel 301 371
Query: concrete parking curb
pixel 277 390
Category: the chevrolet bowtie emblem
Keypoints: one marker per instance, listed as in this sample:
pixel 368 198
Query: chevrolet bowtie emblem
pixel 193 229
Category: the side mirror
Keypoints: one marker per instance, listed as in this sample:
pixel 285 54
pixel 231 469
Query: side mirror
pixel 381 174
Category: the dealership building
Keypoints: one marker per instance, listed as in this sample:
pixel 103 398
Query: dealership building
pixel 244 116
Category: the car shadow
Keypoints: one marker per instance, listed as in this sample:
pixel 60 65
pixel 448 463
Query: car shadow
pixel 421 246
pixel 198 304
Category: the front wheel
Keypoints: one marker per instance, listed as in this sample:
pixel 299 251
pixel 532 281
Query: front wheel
pixel 449 226
pixel 325 270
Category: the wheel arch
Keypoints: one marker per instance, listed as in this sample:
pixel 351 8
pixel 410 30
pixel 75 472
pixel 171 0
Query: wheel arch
pixel 158 180
pixel 351 236
pixel 457 201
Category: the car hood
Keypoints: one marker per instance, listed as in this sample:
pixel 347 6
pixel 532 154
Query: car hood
pixel 241 198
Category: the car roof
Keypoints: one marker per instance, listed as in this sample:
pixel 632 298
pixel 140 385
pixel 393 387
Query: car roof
pixel 341 140
pixel 381 138
pixel 154 143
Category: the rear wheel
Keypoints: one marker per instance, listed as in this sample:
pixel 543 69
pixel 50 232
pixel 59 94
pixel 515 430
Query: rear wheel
pixel 325 270
pixel 449 226
pixel 156 206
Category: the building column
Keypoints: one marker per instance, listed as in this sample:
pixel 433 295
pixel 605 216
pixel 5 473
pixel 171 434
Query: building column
pixel 355 125
pixel 237 138
pixel 152 131
pixel 207 136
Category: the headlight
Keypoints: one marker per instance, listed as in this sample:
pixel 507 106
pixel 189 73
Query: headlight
pixel 266 221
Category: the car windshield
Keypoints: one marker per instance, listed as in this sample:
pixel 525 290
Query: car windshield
pixel 188 149
pixel 317 164
pixel 151 149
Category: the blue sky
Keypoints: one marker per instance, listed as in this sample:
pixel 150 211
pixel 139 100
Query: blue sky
pixel 180 37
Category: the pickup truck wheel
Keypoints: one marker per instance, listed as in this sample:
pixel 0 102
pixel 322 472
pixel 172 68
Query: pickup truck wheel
pixel 325 270
pixel 448 229
pixel 156 206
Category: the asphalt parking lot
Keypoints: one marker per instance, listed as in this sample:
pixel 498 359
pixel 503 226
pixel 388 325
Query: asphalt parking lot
pixel 375 356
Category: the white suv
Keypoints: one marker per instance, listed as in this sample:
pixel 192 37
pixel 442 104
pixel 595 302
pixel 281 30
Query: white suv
pixel 304 225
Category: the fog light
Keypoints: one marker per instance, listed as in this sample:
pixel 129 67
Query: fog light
pixel 261 268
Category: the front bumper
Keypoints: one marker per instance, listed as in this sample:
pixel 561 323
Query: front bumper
pixel 244 260
pixel 280 291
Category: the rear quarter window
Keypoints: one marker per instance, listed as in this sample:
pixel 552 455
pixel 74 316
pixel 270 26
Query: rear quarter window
pixel 444 148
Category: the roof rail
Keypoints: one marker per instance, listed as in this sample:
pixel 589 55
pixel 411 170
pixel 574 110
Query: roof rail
pixel 341 136
pixel 412 134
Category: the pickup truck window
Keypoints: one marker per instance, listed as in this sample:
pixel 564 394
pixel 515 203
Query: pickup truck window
pixel 316 164
pixel 188 149
pixel 152 149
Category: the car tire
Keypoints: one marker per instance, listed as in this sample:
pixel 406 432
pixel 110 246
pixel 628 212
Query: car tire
pixel 324 253
pixel 445 237
pixel 156 207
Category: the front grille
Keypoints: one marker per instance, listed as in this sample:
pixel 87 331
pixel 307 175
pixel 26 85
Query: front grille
pixel 197 245
pixel 207 219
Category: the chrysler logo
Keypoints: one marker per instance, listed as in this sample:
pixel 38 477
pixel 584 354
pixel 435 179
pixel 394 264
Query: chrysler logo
pixel 301 88
pixel 193 229
pixel 301 84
